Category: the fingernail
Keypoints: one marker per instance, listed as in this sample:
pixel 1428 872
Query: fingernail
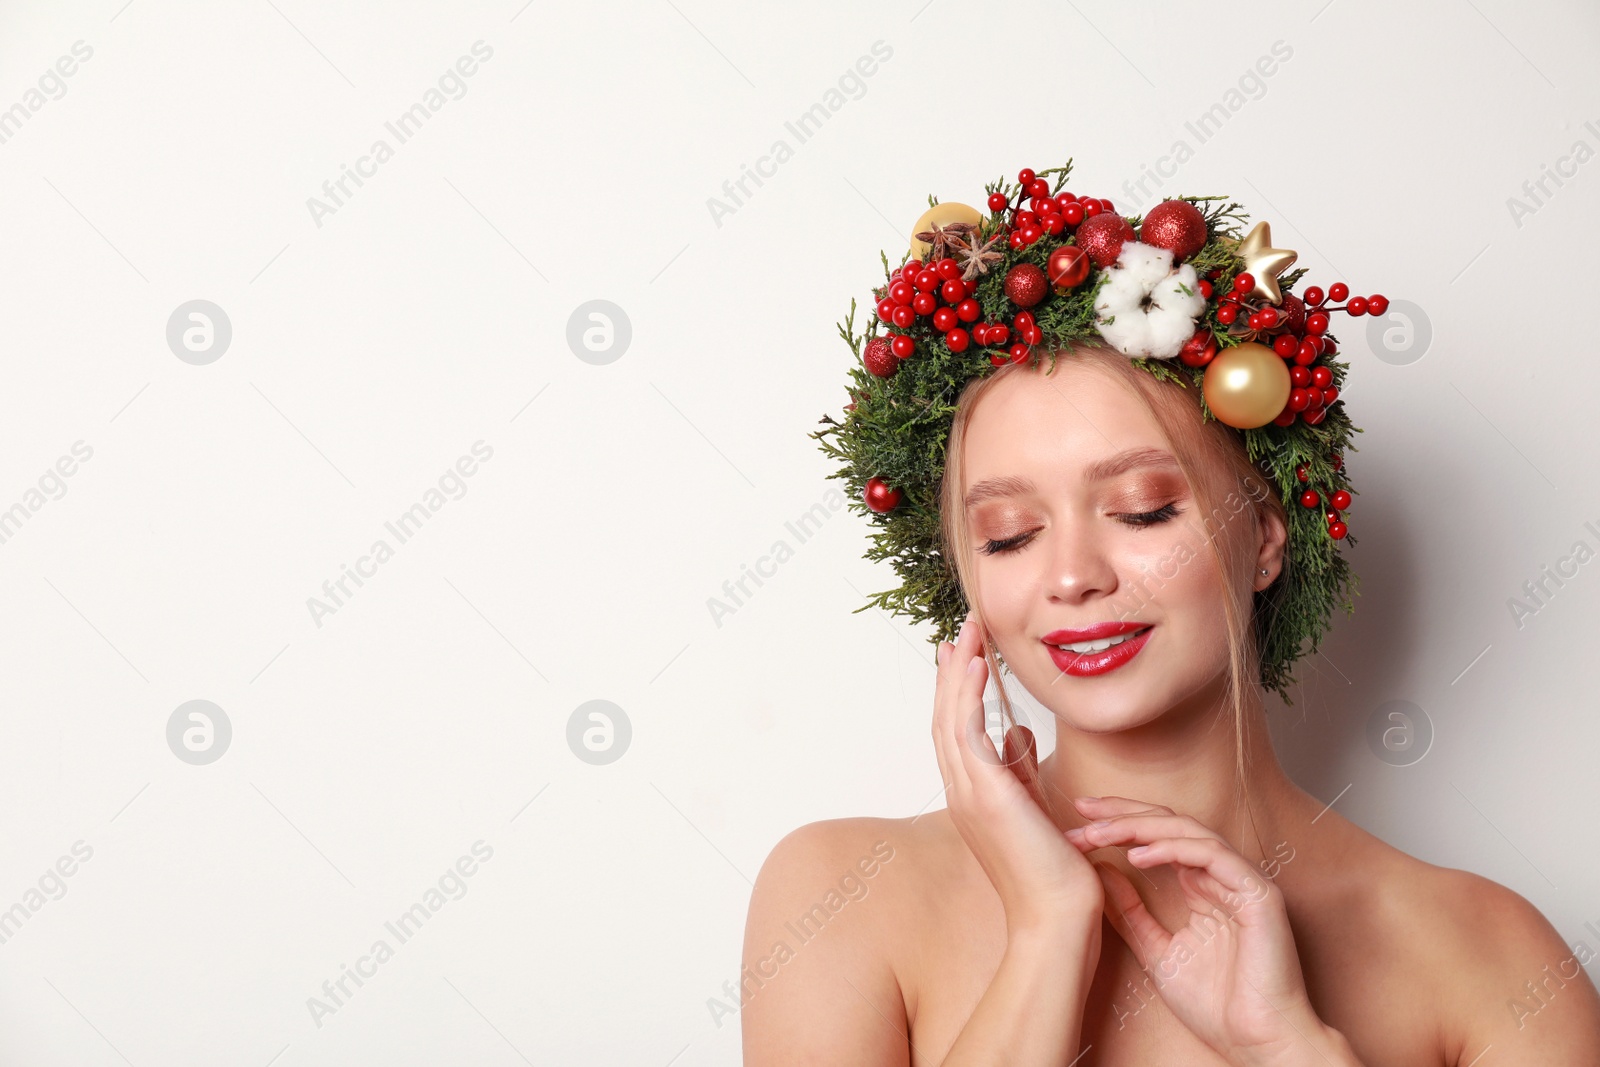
pixel 1075 834
pixel 1100 824
pixel 1085 800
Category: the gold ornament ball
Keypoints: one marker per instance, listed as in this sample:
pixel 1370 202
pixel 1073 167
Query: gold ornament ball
pixel 1246 386
pixel 940 215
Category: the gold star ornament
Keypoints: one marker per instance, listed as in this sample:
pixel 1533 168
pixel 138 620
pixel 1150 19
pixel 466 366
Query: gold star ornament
pixel 1263 261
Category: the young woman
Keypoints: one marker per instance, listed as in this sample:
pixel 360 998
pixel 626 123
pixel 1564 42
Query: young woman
pixel 1157 891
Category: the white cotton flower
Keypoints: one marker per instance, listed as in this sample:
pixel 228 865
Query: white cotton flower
pixel 1145 308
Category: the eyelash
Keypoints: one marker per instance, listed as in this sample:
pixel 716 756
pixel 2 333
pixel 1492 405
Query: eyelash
pixel 1138 520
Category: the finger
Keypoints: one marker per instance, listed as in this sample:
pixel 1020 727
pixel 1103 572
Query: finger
pixel 1105 807
pixel 946 702
pixel 977 736
pixel 1214 857
pixel 1139 830
pixel 1131 919
pixel 1022 756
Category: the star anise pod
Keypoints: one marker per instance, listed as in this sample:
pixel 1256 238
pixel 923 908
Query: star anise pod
pixel 975 257
pixel 947 237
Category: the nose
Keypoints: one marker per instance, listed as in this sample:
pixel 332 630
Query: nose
pixel 1080 567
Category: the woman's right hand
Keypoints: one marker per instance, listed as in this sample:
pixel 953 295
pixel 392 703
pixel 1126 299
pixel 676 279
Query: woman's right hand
pixel 1044 882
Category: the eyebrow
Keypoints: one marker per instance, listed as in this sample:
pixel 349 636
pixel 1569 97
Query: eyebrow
pixel 1099 471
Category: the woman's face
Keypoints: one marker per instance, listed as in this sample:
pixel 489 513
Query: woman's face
pixel 1078 516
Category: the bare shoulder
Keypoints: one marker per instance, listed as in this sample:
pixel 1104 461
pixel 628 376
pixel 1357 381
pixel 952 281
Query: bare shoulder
pixel 1493 970
pixel 1511 979
pixel 820 943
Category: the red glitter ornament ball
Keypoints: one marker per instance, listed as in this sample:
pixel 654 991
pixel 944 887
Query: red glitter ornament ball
pixel 1176 225
pixel 880 358
pixel 1102 237
pixel 1025 285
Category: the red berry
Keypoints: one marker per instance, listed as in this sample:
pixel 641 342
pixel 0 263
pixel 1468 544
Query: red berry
pixel 947 269
pixel 1244 283
pixel 999 333
pixel 1205 288
pixel 1357 305
pixel 1306 352
pixel 1254 321
pixel 1340 500
pixel 1337 459
pixel 1227 313
pixel 1025 176
pixel 997 202
pixel 956 340
pixel 1039 189
pixel 1314 295
pixel 1317 322
pixel 879 496
pixel 1332 516
pixel 980 333
pixel 1053 225
pixel 1033 335
pixel 1285 417
pixel 886 309
pixel 924 303
pixel 1269 317
pixel 1019 352
pixel 1299 377
pixel 944 320
pixel 1329 395
pixel 1016 242
pixel 1310 499
pixel 1321 377
pixel 1072 214
pixel 1299 399
pixel 903 345
pixel 1338 530
pixel 1093 208
pixel 953 291
pixel 901 292
pixel 997 359
pixel 968 310
pixel 1285 345
pixel 926 280
pixel 970 285
pixel 1316 417
pixel 1022 320
pixel 1300 473
pixel 1338 291
pixel 1377 305
pixel 903 317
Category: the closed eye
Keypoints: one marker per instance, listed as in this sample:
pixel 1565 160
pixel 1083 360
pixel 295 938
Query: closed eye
pixel 1137 520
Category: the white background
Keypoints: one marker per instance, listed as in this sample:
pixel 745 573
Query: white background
pixel 430 311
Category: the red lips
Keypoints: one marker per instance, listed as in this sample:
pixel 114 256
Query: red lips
pixel 1099 631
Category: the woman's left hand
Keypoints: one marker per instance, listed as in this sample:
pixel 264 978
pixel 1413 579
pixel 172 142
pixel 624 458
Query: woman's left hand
pixel 1231 973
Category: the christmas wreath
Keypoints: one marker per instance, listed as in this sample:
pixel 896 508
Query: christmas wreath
pixel 1181 292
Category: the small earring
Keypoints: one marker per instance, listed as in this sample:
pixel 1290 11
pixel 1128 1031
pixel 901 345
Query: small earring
pixel 1263 572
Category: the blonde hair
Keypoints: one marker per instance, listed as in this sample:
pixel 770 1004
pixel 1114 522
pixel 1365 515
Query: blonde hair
pixel 1215 463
